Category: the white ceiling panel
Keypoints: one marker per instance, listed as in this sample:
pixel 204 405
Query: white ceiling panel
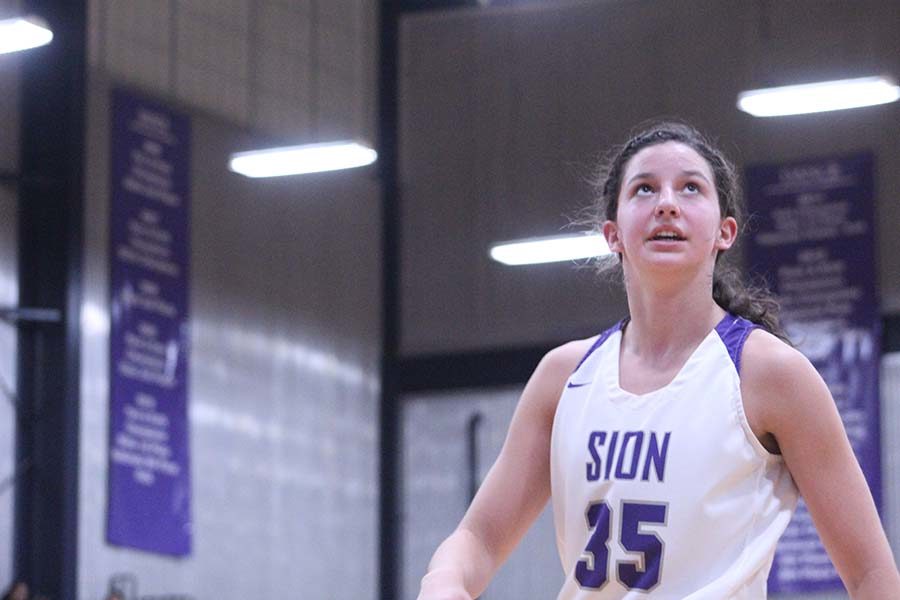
pixel 212 65
pixel 220 48
pixel 218 92
pixel 304 68
pixel 137 63
pixel 346 14
pixel 286 116
pixel 340 113
pixel 282 72
pixel 134 45
pixel 148 22
pixel 94 31
pixel 339 51
pixel 9 8
pixel 234 13
pixel 283 26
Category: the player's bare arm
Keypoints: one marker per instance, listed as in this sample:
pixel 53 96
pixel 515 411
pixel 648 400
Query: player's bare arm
pixel 784 396
pixel 514 492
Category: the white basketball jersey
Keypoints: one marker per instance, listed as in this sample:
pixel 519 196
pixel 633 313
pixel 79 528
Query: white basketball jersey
pixel 666 495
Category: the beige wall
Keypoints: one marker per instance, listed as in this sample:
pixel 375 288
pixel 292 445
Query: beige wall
pixel 283 379
pixel 504 110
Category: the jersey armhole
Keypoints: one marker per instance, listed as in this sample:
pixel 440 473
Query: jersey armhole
pixel 734 331
pixel 758 448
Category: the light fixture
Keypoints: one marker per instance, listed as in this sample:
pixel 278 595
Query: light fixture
pixel 296 160
pixel 819 97
pixel 550 249
pixel 23 33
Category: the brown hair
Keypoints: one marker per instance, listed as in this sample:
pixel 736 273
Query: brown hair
pixel 753 302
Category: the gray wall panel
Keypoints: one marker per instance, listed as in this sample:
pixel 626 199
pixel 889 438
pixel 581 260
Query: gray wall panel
pixel 9 293
pixel 890 459
pixel 10 73
pixel 435 490
pixel 303 71
pixel 283 381
pixel 503 111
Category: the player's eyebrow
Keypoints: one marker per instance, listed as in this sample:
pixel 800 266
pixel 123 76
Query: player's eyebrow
pixel 639 176
pixel 696 174
pixel 647 175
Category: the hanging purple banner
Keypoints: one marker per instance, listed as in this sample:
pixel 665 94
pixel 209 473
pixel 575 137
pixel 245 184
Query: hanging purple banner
pixel 149 476
pixel 813 241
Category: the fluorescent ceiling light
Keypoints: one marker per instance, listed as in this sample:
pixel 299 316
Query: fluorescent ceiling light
pixel 819 97
pixel 296 160
pixel 23 33
pixel 550 249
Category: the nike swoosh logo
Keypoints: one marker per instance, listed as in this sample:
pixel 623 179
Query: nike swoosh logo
pixel 576 385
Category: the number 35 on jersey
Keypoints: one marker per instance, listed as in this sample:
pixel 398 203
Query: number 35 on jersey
pixel 636 526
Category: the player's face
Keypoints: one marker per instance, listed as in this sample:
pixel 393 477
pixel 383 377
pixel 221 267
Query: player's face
pixel 668 214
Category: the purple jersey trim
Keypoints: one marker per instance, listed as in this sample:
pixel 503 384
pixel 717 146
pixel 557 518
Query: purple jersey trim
pixel 603 337
pixel 733 332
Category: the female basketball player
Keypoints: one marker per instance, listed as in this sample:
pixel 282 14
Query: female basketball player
pixel 674 444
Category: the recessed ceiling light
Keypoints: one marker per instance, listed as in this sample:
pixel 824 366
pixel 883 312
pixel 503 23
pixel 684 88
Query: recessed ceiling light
pixel 23 33
pixel 819 97
pixel 550 249
pixel 297 160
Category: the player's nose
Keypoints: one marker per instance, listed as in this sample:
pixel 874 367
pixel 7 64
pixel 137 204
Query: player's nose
pixel 667 203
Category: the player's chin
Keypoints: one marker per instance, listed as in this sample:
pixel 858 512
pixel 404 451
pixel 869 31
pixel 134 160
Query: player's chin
pixel 669 255
pixel 670 261
pixel 667 246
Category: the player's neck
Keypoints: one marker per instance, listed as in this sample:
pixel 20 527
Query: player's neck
pixel 668 319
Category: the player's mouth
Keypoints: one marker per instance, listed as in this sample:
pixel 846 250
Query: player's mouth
pixel 666 234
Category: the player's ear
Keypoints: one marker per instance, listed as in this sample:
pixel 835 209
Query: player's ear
pixel 611 233
pixel 727 233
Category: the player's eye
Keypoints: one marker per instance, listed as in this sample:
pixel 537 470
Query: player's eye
pixel 692 187
pixel 644 188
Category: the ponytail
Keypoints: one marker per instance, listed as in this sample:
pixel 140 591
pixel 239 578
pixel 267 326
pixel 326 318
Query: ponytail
pixel 752 302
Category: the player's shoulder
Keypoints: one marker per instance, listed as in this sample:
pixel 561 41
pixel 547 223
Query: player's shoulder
pixel 777 378
pixel 767 357
pixel 550 376
pixel 565 358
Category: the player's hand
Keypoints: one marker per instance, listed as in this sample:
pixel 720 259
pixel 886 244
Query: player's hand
pixel 448 594
pixel 443 584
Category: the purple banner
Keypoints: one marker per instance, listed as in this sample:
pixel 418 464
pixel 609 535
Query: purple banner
pixel 149 464
pixel 813 241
